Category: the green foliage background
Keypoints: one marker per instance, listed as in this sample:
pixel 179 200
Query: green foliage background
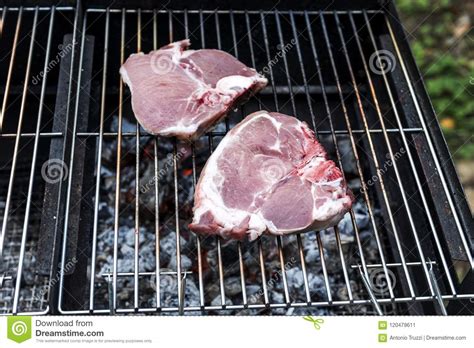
pixel 442 39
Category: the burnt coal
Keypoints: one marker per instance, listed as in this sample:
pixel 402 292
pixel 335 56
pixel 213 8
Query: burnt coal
pixel 168 286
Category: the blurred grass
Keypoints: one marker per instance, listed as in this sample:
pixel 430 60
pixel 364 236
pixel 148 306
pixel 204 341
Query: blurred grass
pixel 442 39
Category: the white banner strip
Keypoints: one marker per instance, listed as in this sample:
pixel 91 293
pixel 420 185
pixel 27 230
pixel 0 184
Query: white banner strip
pixel 236 331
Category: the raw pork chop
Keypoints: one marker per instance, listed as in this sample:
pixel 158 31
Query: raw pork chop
pixel 269 174
pixel 182 93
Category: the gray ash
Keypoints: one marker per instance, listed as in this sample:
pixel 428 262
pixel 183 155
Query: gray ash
pixel 230 257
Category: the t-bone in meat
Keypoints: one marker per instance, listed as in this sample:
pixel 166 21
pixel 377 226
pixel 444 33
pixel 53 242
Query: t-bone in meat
pixel 269 175
pixel 182 93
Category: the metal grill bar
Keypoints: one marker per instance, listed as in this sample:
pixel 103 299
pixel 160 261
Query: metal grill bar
pixel 137 180
pixel 21 189
pixel 410 157
pixel 355 153
pixel 40 8
pixel 372 89
pixel 118 169
pixel 338 155
pixel 12 175
pixel 278 305
pixel 213 133
pixel 430 145
pixel 99 163
pixel 211 149
pixel 251 12
pixel 361 253
pixel 374 156
pixel 35 153
pixel 175 173
pixel 278 238
pixel 4 16
pixel 73 143
pixel 293 105
pixel 157 194
pixel 239 244
pixel 336 230
pixel 2 115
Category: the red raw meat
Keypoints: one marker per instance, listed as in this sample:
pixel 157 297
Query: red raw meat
pixel 182 93
pixel 269 175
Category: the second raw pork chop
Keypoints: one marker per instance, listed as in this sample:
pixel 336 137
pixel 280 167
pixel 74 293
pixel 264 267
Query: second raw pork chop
pixel 269 174
pixel 182 93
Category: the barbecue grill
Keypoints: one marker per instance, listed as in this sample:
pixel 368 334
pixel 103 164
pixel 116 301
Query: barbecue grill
pixel 94 211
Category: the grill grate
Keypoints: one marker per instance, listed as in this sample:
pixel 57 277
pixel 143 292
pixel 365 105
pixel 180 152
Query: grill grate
pixel 329 68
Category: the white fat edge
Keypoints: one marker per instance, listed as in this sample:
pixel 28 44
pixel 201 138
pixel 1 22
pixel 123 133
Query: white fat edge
pixel 258 225
pixel 257 77
pixel 332 205
pixel 177 54
pixel 126 78
pixel 192 76
pixel 310 227
pixel 277 124
pixel 260 114
pixel 261 78
pixel 179 128
pixel 229 83
pixel 329 207
pixel 136 54
pixel 175 47
pixel 224 86
pixel 269 225
pixel 277 145
pixel 186 54
pixel 236 130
